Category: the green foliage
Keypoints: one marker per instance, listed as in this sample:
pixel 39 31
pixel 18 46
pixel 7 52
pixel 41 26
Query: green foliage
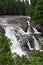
pixel 33 60
pixel 41 46
pixel 33 4
pixel 6 59
pixel 38 11
pixel 4 43
pixel 15 7
pixel 5 55
pixel 28 9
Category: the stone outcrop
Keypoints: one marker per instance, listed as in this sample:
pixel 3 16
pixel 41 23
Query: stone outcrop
pixel 39 27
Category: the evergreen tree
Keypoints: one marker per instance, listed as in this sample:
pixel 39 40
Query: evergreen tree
pixel 27 8
pixel 12 7
pixel 38 12
pixel 33 4
pixel 23 8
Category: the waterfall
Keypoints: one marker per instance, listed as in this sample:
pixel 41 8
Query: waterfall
pixel 15 48
pixel 20 42
pixel 37 47
pixel 29 46
pixel 31 30
pixel 18 37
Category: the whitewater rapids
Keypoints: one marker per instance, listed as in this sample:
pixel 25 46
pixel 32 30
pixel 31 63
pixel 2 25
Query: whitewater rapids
pixel 20 39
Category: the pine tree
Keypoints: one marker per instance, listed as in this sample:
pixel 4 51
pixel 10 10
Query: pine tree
pixel 38 12
pixel 27 8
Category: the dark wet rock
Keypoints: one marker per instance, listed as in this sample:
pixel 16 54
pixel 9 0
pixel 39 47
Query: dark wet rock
pixel 37 38
pixel 24 40
pixel 23 43
pixel 21 21
pixel 31 41
pixel 2 30
pixel 24 46
pixel 39 27
pixel 31 29
pixel 33 24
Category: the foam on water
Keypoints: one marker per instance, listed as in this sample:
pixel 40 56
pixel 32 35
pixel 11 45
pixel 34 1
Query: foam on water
pixel 12 32
pixel 15 48
pixel 37 47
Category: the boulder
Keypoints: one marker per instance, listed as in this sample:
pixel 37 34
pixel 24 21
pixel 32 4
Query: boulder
pixel 39 27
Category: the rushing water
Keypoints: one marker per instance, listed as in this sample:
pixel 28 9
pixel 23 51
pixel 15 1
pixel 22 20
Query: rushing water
pixel 15 48
pixel 21 42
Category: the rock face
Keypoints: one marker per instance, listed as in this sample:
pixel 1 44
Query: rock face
pixel 39 27
pixel 21 21
pixel 2 30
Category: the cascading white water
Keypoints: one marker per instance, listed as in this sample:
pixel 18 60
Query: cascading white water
pixel 37 47
pixel 15 48
pixel 29 46
pixel 17 37
pixel 3 21
pixel 31 30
